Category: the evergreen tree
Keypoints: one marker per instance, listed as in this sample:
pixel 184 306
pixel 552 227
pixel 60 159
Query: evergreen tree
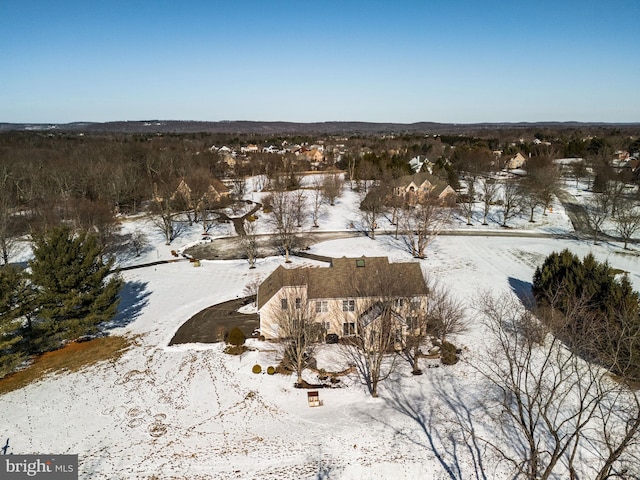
pixel 560 274
pixel 609 328
pixel 73 294
pixel 12 284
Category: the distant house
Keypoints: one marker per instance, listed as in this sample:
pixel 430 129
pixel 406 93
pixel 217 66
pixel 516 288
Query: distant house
pixel 423 186
pixel 421 163
pixel 516 161
pixel 224 150
pixel 621 155
pixel 313 155
pixel 216 192
pixel 251 148
pixel 346 297
pixel 271 149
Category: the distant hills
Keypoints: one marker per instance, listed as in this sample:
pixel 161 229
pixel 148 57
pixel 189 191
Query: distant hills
pixel 293 128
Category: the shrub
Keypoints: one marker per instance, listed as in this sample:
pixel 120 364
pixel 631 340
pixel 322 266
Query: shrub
pixel 235 349
pixel 236 337
pixel 331 338
pixel 256 369
pixel 448 355
pixel 270 370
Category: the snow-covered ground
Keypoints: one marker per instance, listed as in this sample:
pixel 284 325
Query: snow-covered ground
pixel 191 411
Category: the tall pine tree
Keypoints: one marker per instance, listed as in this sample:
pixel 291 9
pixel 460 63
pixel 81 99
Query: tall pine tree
pixel 74 293
pixel 609 326
pixel 12 285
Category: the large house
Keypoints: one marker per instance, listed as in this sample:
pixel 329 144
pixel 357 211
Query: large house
pixel 216 192
pixel 422 186
pixel 346 298
pixel 516 161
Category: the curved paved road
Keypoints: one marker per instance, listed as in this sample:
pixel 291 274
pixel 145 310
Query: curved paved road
pixel 208 325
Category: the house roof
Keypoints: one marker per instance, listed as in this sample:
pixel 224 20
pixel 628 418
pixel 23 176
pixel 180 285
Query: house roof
pixel 347 278
pixel 416 178
pixel 438 185
pixel 219 186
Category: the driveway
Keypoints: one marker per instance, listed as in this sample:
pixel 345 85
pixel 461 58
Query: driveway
pixel 207 325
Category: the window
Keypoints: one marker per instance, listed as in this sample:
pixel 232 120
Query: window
pixel 322 306
pixel 327 325
pixel 412 323
pixel 348 328
pixel 399 336
pixel 415 303
pixel 283 303
pixel 348 305
pixel 298 303
pixel 399 302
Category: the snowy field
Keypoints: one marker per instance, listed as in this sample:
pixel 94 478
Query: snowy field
pixel 193 412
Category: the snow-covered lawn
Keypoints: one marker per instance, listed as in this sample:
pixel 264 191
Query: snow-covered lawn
pixel 191 411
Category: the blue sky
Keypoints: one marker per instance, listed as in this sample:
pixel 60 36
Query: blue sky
pixel 458 61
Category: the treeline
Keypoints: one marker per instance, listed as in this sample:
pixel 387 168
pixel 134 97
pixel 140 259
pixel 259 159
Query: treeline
pixel 67 293
pixel 85 180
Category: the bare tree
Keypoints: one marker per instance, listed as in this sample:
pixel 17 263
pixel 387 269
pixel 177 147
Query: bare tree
pixel 351 168
pixel 123 186
pixel 166 219
pixel 164 178
pixel 511 201
pixel 317 200
pixel 372 208
pixel 541 182
pixel 299 204
pixel 258 182
pixel 332 187
pixel 297 329
pixel 598 209
pixel 198 183
pixel 416 333
pixel 239 189
pixel 548 184
pixel 489 193
pixel 208 217
pixel 627 221
pixel 394 204
pixel 445 313
pixel 467 203
pixel 422 223
pixel 139 241
pixel 579 171
pixel 616 188
pixel 553 402
pixel 251 289
pixel 95 216
pixel 250 242
pixel 529 197
pixel 284 219
pixel 367 174
pixel 377 323
pixel 372 350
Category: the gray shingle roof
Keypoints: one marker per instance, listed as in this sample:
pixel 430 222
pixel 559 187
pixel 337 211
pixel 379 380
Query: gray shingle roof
pixel 348 277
